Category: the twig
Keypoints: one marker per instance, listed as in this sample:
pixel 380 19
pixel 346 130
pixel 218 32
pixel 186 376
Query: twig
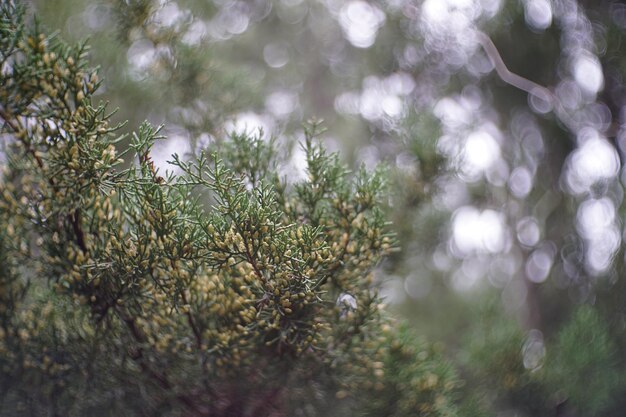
pixel 137 355
pixel 192 323
pixel 73 217
pixel 509 77
pixel 525 84
pixel 17 129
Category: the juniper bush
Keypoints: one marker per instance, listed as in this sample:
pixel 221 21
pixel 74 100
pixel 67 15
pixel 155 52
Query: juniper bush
pixel 221 290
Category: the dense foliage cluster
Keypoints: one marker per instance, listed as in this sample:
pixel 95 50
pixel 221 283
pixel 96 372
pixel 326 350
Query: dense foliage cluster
pixel 223 289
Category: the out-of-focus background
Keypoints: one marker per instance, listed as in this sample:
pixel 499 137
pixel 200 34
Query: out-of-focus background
pixel 502 124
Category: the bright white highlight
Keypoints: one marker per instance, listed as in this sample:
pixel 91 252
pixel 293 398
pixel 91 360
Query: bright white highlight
pixel 594 160
pixel 596 223
pixel 360 22
pixel 475 231
pixel 282 103
pixel 588 73
pixel 163 150
pixel 480 152
pixel 538 14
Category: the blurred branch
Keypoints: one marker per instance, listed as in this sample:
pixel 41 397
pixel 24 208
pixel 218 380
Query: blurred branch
pixel 524 84
pixel 509 77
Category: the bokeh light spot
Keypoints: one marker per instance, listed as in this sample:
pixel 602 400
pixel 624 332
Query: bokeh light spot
pixel 360 22
pixel 538 14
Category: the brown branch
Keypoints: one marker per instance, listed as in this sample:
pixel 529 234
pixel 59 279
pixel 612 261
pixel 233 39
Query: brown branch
pixel 190 320
pixel 73 217
pixel 264 408
pixel 132 326
pixel 9 121
pixel 78 230
pixel 15 126
pixel 192 323
pixel 161 379
pixel 337 265
pixel 252 260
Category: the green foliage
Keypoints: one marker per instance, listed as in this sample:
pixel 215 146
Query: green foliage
pixel 580 369
pixel 220 290
pixel 415 378
pixel 497 368
pixel 584 363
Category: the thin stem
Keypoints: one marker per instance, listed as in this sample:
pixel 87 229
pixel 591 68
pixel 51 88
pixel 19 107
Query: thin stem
pixel 73 217
pixel 17 128
pixel 509 77
pixel 525 84
pixel 192 323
